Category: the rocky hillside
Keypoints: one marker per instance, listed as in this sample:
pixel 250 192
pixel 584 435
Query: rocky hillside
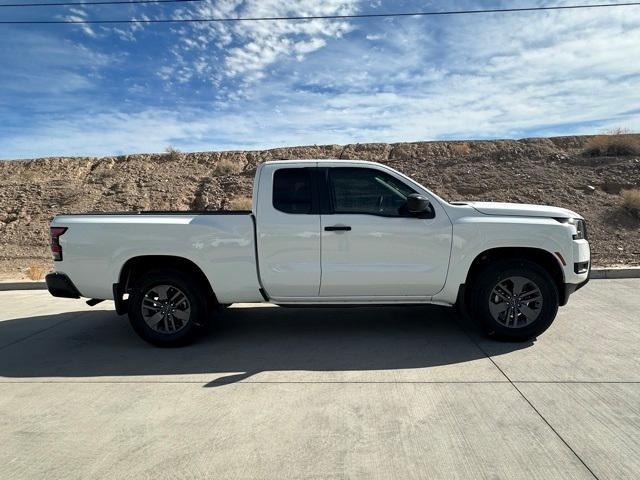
pixel 543 170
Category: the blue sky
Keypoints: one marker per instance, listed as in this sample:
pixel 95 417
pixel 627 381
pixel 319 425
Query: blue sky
pixel 104 90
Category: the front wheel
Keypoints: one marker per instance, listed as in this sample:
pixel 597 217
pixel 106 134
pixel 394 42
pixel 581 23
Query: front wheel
pixel 167 307
pixel 514 300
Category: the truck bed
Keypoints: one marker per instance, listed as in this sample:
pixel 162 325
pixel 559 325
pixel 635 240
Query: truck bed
pixel 96 247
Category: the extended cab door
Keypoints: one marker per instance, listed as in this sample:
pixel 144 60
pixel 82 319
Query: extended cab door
pixel 288 230
pixel 372 247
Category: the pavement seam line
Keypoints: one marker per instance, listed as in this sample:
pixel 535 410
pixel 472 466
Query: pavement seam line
pixel 7 345
pixel 525 398
pixel 287 382
pixel 221 383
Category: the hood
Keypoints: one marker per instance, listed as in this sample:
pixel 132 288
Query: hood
pixel 521 210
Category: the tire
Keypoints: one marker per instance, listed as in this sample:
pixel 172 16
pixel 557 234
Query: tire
pixel 514 300
pixel 167 308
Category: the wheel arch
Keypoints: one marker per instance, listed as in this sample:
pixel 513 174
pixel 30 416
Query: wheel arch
pixel 135 267
pixel 541 257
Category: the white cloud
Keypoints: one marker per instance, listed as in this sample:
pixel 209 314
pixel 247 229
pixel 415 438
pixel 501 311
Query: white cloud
pixel 250 48
pixel 129 32
pixel 79 14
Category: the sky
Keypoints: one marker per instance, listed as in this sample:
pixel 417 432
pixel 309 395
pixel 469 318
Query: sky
pixel 98 90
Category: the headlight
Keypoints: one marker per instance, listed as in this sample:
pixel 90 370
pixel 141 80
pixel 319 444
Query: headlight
pixel 580 224
pixel 581 228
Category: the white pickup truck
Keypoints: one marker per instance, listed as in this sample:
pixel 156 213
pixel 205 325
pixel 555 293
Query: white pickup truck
pixel 326 232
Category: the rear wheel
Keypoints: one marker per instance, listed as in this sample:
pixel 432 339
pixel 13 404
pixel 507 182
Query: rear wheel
pixel 514 299
pixel 167 308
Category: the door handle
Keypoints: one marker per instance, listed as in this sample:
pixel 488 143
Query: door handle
pixel 337 228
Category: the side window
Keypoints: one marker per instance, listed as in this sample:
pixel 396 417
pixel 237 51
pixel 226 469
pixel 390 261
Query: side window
pixel 292 190
pixel 365 190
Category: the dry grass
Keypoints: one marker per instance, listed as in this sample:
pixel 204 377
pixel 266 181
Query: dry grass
pixel 226 167
pixel 631 201
pixel 460 149
pixel 240 203
pixel 614 143
pixel 36 271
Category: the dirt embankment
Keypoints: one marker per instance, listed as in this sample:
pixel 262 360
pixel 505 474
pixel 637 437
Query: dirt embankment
pixel 543 170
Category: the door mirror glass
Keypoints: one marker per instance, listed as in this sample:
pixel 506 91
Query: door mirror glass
pixel 417 204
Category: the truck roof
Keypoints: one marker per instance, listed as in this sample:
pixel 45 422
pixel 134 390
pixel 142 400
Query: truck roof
pixel 321 160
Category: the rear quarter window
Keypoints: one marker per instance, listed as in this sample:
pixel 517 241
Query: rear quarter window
pixel 292 191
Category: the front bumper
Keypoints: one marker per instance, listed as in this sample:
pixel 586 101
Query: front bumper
pixel 570 288
pixel 59 285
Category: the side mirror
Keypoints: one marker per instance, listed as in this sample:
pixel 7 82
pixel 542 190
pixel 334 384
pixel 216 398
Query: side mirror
pixel 417 204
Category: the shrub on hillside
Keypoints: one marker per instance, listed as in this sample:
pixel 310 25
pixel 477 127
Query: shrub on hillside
pixel 67 197
pixel 631 201
pixel 36 271
pixel 101 176
pixel 615 143
pixel 173 154
pixel 30 176
pixel 240 203
pixel 461 149
pixel 226 167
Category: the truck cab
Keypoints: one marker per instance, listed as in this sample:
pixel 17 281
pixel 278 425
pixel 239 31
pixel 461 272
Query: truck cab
pixel 338 232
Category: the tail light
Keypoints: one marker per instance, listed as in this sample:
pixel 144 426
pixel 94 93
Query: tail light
pixel 56 248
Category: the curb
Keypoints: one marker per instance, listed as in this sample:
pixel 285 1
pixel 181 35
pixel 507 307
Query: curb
pixel 611 273
pixel 5 286
pixel 596 274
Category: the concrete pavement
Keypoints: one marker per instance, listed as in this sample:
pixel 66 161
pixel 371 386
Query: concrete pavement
pixel 402 392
